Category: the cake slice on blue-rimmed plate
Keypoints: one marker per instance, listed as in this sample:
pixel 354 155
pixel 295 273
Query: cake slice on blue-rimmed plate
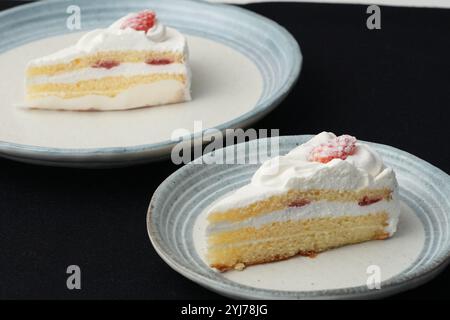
pixel 136 62
pixel 328 192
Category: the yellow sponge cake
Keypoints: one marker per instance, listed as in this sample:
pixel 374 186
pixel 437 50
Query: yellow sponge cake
pixel 135 62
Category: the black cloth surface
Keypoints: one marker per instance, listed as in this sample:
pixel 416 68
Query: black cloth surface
pixel 389 86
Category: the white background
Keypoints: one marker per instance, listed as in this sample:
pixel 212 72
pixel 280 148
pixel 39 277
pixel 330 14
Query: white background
pixel 412 3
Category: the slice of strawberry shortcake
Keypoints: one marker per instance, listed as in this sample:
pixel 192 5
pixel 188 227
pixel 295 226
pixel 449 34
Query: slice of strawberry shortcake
pixel 328 192
pixel 135 62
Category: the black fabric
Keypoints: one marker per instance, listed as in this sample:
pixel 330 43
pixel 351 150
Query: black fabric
pixel 389 86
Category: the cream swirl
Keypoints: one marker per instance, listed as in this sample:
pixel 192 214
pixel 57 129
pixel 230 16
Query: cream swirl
pixel 157 33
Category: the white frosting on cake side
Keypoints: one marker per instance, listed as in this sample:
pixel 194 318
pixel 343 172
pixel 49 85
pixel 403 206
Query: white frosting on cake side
pixel 362 170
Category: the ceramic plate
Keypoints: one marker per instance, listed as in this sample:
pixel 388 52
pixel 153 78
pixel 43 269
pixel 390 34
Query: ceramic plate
pixel 243 65
pixel 417 252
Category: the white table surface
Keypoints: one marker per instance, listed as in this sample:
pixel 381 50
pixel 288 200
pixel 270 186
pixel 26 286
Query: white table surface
pixel 410 3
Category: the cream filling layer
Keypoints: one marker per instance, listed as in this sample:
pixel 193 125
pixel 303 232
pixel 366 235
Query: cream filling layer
pixel 318 209
pixel 152 94
pixel 124 69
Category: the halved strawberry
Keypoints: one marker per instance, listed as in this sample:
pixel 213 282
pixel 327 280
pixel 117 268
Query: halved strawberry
pixel 141 21
pixel 157 62
pixel 339 148
pixel 299 203
pixel 106 64
pixel 366 201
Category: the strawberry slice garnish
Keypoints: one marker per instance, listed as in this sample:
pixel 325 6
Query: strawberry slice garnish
pixel 338 148
pixel 141 21
pixel 158 62
pixel 299 203
pixel 106 64
pixel 366 201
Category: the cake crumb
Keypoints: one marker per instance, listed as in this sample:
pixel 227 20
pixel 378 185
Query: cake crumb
pixel 239 266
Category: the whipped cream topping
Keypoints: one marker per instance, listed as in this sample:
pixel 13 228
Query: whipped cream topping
pixel 157 33
pixel 295 168
pixel 364 169
pixel 114 38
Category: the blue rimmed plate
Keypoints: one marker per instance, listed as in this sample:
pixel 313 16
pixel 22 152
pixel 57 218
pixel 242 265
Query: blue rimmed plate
pixel 416 253
pixel 243 66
